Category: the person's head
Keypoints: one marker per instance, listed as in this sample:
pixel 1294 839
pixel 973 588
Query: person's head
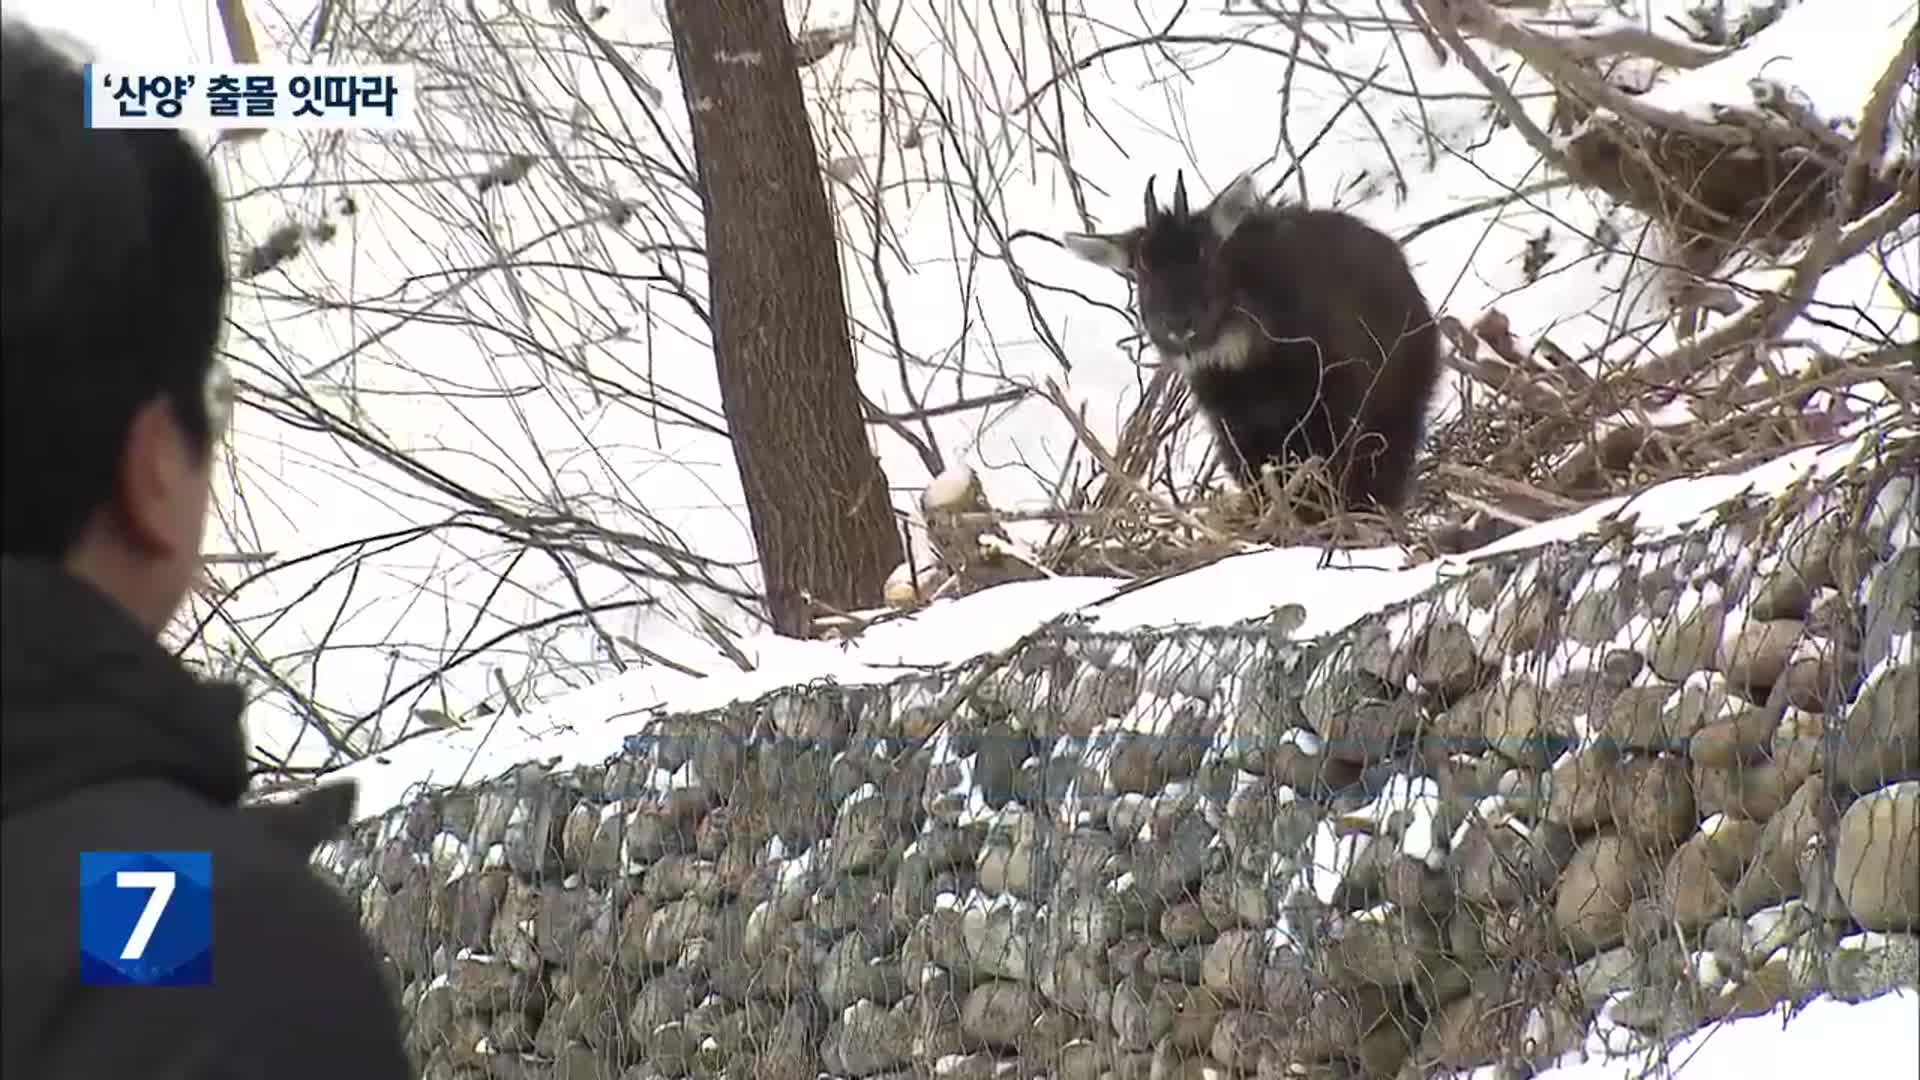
pixel 113 282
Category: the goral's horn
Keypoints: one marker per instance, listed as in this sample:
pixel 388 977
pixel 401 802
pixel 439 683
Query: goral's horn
pixel 1180 193
pixel 1153 207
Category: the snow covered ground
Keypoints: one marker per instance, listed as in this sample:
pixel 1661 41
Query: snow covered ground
pixel 1874 1040
pixel 589 726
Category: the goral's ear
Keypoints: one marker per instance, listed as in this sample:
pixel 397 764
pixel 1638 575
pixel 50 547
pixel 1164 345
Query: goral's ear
pixel 1232 205
pixel 1114 252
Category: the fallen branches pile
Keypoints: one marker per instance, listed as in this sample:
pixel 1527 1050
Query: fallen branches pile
pixel 1557 438
pixel 1760 177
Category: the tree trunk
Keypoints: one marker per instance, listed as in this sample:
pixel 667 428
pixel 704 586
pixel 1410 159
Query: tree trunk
pixel 815 494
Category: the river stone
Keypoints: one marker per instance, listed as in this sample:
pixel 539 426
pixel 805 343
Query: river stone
pixel 1876 862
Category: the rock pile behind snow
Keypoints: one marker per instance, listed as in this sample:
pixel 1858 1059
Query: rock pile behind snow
pixel 1584 797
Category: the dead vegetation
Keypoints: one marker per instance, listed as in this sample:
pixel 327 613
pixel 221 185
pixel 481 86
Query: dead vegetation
pixel 1759 177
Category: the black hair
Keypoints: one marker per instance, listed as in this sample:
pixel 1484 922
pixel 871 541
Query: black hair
pixel 113 281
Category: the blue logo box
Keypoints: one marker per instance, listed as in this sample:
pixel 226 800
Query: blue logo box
pixel 146 918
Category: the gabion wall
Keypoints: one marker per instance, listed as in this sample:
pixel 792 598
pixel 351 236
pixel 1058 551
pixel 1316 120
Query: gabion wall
pixel 1585 799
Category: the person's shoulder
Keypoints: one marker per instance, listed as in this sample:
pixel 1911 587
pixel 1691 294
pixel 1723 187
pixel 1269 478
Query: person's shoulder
pixel 294 964
pixel 303 982
pixel 297 989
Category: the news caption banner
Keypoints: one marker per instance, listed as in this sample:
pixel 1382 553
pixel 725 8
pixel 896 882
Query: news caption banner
pixel 250 96
pixel 146 918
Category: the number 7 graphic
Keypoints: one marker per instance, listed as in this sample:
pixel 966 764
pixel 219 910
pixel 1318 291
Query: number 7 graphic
pixel 161 882
pixel 146 918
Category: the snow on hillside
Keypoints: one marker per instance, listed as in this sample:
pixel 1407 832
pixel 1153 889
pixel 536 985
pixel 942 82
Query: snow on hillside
pixel 1874 1040
pixel 382 576
pixel 590 726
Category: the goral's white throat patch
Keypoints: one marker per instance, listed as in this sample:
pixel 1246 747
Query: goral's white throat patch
pixel 1228 351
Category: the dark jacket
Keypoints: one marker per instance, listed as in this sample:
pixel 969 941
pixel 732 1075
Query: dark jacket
pixel 110 744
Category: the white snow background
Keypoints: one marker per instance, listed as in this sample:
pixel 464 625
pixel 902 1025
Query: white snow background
pixel 1130 114
pixel 1875 1040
